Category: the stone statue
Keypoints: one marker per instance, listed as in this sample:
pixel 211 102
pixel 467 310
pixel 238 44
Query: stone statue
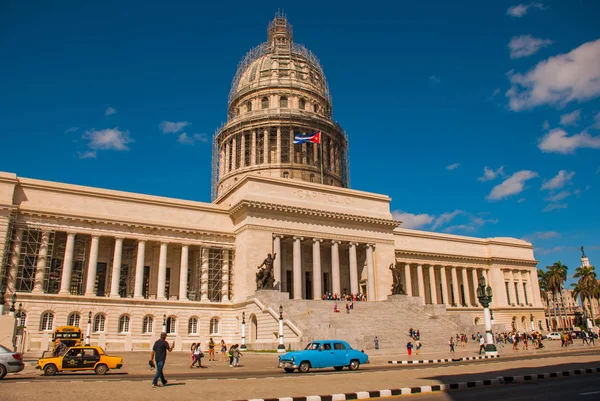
pixel 265 279
pixel 397 284
pixel 582 252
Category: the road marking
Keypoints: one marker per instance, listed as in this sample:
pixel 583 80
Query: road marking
pixel 590 393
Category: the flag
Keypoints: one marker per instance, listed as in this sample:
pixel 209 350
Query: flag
pixel 314 138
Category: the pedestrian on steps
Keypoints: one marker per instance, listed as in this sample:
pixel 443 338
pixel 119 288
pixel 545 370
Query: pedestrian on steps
pixel 376 343
pixel 409 347
pixel 481 345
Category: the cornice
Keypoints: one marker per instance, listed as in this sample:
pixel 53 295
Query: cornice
pixel 453 258
pixel 458 238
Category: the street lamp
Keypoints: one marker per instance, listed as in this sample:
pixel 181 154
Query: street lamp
pixel 532 319
pixel 243 346
pixel 19 332
pixel 281 347
pixel 89 327
pixel 2 300
pixel 484 294
pixel 13 301
pixel 164 328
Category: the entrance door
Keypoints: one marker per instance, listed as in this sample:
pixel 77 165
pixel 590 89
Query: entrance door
pixel 289 282
pixel 308 285
pixel 326 287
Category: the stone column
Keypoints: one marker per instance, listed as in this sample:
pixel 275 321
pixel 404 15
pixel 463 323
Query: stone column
pixel 475 284
pixel 266 147
pixel 227 155
pixel 233 154
pixel 336 284
pixel 371 296
pixel 444 281
pixel 303 153
pixel 92 266
pixel 278 155
pixel 432 285
pixel 222 161
pixel 421 282
pixel 455 285
pixel 183 272
pixel 138 292
pixel 292 153
pixel 225 276
pixel 465 280
pixel 243 150
pixel 162 273
pixel 277 262
pixel 331 155
pixel 407 279
pixel 317 286
pixel 253 149
pixel 353 269
pixel 116 268
pixel 537 297
pixel 204 283
pixel 520 288
pixel 530 290
pixel 40 268
pixel 297 268
pixel 65 281
pixel 14 261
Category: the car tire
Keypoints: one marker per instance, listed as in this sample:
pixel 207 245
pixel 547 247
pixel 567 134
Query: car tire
pixel 101 369
pixel 338 368
pixel 289 370
pixel 2 371
pixel 354 364
pixel 50 370
pixel 304 367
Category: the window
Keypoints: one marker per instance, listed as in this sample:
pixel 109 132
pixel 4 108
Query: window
pixel 22 319
pixel 148 325
pixel 316 108
pixel 302 103
pixel 525 293
pixel 506 283
pixel 339 346
pixel 193 325
pixel 99 321
pixel 326 347
pixel 249 106
pixel 283 102
pixel 171 325
pixel 73 319
pixel 517 293
pixel 47 320
pixel 215 326
pixel 286 174
pixel 264 103
pixel 124 324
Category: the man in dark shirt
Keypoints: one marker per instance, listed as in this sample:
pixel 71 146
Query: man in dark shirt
pixel 159 354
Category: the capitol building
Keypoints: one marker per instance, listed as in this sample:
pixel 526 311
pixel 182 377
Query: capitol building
pixel 135 264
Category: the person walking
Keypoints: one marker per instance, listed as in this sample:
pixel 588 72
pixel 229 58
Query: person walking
pixel 197 356
pixel 223 356
pixel 211 350
pixel 376 343
pixel 159 355
pixel 236 356
pixel 230 355
pixel 417 347
pixel 451 344
pixel 409 347
pixel 481 345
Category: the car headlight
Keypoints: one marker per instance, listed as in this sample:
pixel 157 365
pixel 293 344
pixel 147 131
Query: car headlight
pixel 292 359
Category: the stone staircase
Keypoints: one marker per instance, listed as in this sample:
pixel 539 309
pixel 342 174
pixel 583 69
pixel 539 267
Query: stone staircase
pixel 389 320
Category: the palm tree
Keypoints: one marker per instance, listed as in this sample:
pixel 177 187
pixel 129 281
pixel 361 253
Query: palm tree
pixel 556 276
pixel 587 286
pixel 543 283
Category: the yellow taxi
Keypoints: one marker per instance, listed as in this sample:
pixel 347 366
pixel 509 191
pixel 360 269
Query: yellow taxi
pixel 80 358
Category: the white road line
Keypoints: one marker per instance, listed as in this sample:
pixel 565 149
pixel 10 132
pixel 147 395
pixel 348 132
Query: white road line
pixel 590 393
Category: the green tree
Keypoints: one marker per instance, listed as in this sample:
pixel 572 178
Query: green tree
pixel 586 287
pixel 556 277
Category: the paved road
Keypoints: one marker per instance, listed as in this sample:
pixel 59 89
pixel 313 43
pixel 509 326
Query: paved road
pixel 578 388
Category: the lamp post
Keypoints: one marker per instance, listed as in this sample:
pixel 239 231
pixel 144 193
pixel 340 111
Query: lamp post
pixel 2 300
pixel 13 301
pixel 484 294
pixel 532 319
pixel 89 328
pixel 19 332
pixel 243 346
pixel 281 347
pixel 164 328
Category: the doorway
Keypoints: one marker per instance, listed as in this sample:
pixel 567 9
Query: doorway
pixel 308 285
pixel 289 282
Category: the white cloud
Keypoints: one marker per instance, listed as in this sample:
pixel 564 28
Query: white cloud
pixel 554 206
pixel 513 185
pixel 434 79
pixel 597 121
pixel 521 200
pixel 559 141
pixel 559 196
pixel 410 220
pixel 526 45
pixel 72 129
pixel 577 192
pixel 90 154
pixel 445 218
pixel 489 174
pixel 541 235
pixel 570 118
pixel 108 139
pixel 460 227
pixel 110 111
pixel 496 92
pixel 562 178
pixel 170 127
pixel 546 125
pixel 521 9
pixel 558 80
pixel 183 138
pixel 453 166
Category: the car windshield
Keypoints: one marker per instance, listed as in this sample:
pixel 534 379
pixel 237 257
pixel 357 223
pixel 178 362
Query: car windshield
pixel 312 346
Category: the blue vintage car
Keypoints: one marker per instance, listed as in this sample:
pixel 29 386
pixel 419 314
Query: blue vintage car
pixel 323 354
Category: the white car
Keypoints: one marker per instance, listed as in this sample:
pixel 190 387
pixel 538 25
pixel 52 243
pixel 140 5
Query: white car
pixel 553 336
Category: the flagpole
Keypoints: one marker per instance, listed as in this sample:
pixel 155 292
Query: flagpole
pixel 321 146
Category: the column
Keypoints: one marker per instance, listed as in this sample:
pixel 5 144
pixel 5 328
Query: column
pixel 444 281
pixel 297 268
pixel 317 286
pixel 335 267
pixel 116 268
pixel 465 280
pixel 65 281
pixel 530 290
pixel 266 147
pixel 495 279
pixel 225 276
pixel 421 282
pixel 40 268
pixel 243 150
pixel 511 289
pixel 407 279
pixel 353 268
pixel 432 285
pixel 370 274
pixel 520 288
pixel 227 154
pixel 92 266
pixel 204 282
pixel 253 149
pixel 162 273
pixel 277 262
pixel 331 160
pixel 475 284
pixel 222 161
pixel 292 154
pixel 233 153
pixel 537 297
pixel 139 270
pixel 183 272
pixel 14 261
pixel 455 286
pixel 303 153
pixel 278 154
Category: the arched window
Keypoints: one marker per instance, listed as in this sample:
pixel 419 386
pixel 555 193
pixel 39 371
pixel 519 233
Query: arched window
pixel 73 319
pixel 99 321
pixel 316 108
pixel 249 105
pixel 171 325
pixel 215 326
pixel 193 325
pixel 286 174
pixel 147 325
pixel 124 324
pixel 22 319
pixel 283 102
pixel 264 103
pixel 302 103
pixel 46 322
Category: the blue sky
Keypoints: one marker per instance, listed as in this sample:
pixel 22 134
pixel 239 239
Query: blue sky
pixel 476 118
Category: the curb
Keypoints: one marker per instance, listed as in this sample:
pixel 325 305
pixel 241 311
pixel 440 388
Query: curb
pixel 431 361
pixel 430 389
